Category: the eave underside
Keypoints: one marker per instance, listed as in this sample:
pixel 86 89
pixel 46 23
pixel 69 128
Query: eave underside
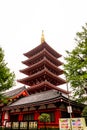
pixel 44 73
pixel 44 62
pixel 44 86
pixel 41 55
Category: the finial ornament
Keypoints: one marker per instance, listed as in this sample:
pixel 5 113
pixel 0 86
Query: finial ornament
pixel 42 37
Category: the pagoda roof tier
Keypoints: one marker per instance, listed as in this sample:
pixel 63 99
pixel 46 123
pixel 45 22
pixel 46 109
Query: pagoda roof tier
pixel 45 62
pixel 40 48
pixel 44 86
pixel 43 72
pixel 40 55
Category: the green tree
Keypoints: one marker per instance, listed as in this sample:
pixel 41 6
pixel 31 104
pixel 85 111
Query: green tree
pixel 44 117
pixel 76 66
pixel 6 77
pixel 84 113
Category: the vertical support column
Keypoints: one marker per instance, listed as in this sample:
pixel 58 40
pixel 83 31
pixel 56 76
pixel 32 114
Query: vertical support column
pixel 36 115
pixel 20 117
pixel 3 114
pixel 5 117
pixel 57 115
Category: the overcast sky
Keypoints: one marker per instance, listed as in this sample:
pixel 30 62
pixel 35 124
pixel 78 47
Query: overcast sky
pixel 22 21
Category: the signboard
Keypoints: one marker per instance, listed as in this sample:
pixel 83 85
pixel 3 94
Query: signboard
pixel 32 124
pixel 15 125
pixel 23 125
pixel 78 123
pixel 72 123
pixel 69 109
pixel 64 124
pixel 8 125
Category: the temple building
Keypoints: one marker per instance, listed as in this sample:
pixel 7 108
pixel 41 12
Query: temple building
pixel 43 93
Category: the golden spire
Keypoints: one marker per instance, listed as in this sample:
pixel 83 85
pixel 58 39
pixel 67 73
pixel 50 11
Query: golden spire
pixel 42 37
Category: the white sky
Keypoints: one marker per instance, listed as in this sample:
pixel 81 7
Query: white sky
pixel 22 21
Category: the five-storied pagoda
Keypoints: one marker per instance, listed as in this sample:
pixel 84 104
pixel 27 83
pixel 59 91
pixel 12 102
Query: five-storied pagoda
pixel 44 94
pixel 43 69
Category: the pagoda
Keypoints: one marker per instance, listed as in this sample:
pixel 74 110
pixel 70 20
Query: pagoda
pixel 42 69
pixel 42 94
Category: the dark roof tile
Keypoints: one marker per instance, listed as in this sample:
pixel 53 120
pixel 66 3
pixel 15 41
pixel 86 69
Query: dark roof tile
pixel 39 97
pixel 14 92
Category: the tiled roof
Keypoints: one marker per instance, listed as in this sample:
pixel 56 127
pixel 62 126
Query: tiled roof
pixel 14 92
pixel 40 48
pixel 36 98
pixel 41 98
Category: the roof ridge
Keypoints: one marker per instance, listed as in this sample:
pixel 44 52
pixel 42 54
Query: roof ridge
pixel 10 91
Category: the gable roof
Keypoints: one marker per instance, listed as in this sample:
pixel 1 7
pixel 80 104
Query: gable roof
pixel 38 97
pixel 15 92
pixel 34 99
pixel 41 98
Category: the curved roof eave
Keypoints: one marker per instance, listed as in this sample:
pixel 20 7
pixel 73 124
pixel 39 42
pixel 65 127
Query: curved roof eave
pixel 40 47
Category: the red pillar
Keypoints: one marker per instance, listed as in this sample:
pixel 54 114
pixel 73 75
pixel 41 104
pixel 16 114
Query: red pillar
pixel 20 117
pixel 3 115
pixel 57 115
pixel 36 116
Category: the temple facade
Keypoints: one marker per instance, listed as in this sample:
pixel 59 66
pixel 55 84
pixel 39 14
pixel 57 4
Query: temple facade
pixel 42 93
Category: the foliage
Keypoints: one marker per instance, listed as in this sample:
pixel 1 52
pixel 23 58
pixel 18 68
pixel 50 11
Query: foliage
pixel 84 113
pixel 6 77
pixel 44 117
pixel 76 66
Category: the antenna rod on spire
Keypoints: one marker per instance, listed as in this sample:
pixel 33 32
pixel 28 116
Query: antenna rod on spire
pixel 42 37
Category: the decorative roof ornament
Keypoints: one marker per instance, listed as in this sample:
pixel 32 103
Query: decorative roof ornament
pixel 42 37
